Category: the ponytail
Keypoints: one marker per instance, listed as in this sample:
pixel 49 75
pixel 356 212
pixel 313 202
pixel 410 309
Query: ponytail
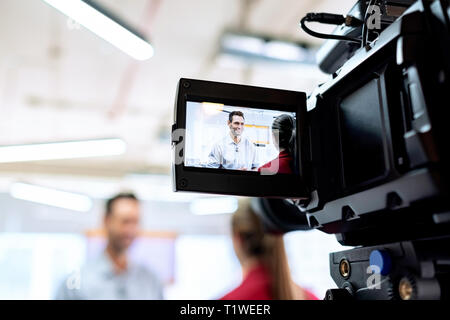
pixel 268 248
pixel 285 125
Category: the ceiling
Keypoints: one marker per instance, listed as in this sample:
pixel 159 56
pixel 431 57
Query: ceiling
pixel 59 81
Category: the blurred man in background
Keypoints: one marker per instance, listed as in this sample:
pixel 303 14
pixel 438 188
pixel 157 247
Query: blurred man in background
pixel 112 275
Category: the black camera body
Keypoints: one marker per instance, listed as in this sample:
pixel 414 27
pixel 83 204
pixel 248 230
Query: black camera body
pixel 379 156
pixel 372 155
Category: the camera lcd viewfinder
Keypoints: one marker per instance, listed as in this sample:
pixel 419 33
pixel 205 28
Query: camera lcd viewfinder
pixel 238 139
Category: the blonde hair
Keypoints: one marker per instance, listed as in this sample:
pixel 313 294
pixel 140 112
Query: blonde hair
pixel 268 248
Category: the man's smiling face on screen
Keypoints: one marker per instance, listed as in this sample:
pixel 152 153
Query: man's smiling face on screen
pixel 236 126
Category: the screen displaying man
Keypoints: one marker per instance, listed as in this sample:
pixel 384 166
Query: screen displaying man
pixel 234 151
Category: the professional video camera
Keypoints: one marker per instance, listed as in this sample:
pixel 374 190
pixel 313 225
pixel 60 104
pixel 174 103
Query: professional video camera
pixel 370 161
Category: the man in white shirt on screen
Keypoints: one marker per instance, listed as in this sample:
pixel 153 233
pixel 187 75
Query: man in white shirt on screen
pixel 233 151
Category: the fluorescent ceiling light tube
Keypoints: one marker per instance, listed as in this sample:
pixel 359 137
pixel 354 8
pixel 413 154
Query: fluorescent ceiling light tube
pixel 212 108
pixel 264 48
pixel 284 51
pixel 216 205
pixel 105 27
pixel 243 43
pixel 51 197
pixel 62 150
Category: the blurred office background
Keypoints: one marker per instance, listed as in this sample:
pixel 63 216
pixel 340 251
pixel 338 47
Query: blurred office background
pixel 61 82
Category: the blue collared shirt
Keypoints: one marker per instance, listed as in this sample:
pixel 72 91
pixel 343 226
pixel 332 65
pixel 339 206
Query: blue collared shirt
pixel 228 154
pixel 97 280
